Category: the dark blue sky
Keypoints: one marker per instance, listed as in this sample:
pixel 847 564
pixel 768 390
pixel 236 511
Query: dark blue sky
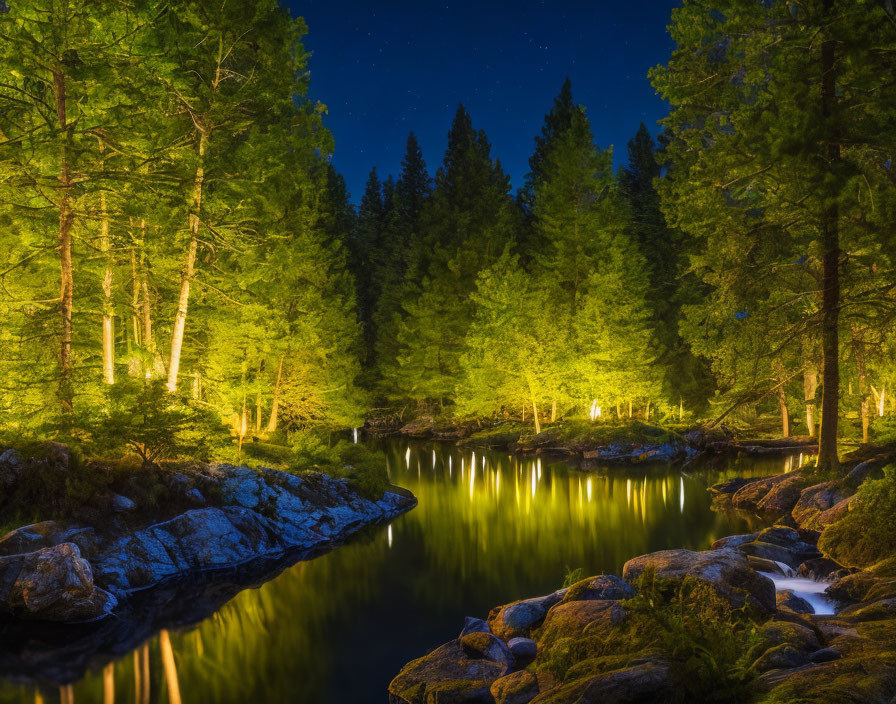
pixel 386 68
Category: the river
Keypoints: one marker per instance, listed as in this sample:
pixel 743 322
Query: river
pixel 489 528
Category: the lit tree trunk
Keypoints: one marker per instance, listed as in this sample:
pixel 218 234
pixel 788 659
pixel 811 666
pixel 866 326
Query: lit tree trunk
pixel 618 412
pixel 275 405
pixel 146 678
pixel 554 411
pixel 864 401
pixel 629 408
pixel 828 459
pixel 785 414
pixel 169 667
pixel 258 414
pixel 810 388
pixel 66 224
pixel 137 677
pixel 108 309
pixel 534 405
pixel 135 301
pixel 524 413
pixel 647 411
pixel 186 277
pixel 146 307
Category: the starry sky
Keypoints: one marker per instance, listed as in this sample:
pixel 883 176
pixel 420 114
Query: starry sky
pixel 388 67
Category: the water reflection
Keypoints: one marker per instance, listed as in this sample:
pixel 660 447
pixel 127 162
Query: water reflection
pixel 489 528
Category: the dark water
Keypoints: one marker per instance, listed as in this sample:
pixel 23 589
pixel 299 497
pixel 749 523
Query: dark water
pixel 489 529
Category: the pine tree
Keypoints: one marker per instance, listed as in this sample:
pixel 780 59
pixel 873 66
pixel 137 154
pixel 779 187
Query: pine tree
pixel 770 149
pixel 465 226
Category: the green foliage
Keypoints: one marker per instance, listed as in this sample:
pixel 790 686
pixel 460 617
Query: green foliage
pixel 866 534
pixel 706 639
pixel 363 468
pixel 573 575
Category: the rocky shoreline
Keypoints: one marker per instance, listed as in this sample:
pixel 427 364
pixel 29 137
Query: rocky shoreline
pixel 683 626
pixel 591 444
pixel 226 516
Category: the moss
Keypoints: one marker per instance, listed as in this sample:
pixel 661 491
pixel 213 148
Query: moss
pixel 866 534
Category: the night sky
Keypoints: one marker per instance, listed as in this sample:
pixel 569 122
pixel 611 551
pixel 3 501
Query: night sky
pixel 386 68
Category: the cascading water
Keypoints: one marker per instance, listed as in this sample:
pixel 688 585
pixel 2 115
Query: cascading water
pixel 810 590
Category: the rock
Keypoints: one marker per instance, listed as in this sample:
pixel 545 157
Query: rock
pixel 788 600
pixel 474 625
pixel 517 618
pixel 245 488
pixel 524 650
pixel 727 570
pixel 488 647
pixel 10 469
pixel 419 428
pixel 647 682
pixel 723 492
pixel 877 582
pixel 52 584
pixel 750 494
pixel 816 499
pixel 767 551
pixel 446 675
pixel 782 496
pixel 824 655
pixel 775 633
pixel 760 564
pixel 575 618
pixel 605 586
pixel 780 657
pixel 733 541
pixel 29 538
pixel 122 504
pixel 516 688
pixel 195 496
pixel 819 569
pixel 833 514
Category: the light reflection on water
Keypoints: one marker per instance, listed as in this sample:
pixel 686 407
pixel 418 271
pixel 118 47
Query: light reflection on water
pixel 338 628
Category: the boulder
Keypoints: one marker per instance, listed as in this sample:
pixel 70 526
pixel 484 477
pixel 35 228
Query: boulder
pixel 52 584
pixel 575 618
pixel 516 688
pixel 11 468
pixel 833 514
pixel 245 487
pixel 723 493
pixel 820 569
pixel 817 499
pixel 605 586
pixel 122 504
pixel 474 625
pixel 750 494
pixel 786 599
pixel 824 655
pixel 782 496
pixel 29 538
pixel 487 647
pixel 446 675
pixel 733 541
pixel 516 619
pixel 726 570
pixel 648 681
pixel 780 657
pixel 523 650
pixel 877 582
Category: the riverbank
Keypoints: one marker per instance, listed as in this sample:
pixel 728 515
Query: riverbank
pixel 725 624
pixel 116 529
pixel 592 443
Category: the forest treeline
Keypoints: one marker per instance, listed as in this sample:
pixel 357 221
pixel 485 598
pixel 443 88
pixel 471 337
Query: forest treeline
pixel 170 219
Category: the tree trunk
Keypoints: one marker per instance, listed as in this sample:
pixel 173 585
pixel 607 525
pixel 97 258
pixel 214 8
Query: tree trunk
pixel 108 309
pixel 785 414
pixel 554 411
pixel 864 401
pixel 258 414
pixel 647 412
pixel 534 406
pixel 629 408
pixel 66 224
pixel 275 405
pixel 135 302
pixel 180 318
pixel 618 412
pixel 146 307
pixel 680 409
pixel 828 459
pixel 810 389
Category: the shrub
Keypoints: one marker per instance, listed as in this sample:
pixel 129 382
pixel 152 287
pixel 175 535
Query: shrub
pixel 866 534
pixel 364 469
pixel 706 639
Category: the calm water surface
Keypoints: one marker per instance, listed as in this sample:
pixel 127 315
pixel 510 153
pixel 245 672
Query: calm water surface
pixel 489 529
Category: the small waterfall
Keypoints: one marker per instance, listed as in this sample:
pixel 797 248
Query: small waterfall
pixel 808 589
